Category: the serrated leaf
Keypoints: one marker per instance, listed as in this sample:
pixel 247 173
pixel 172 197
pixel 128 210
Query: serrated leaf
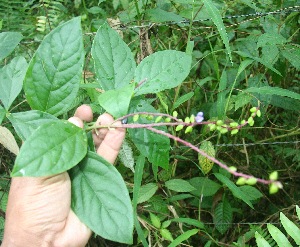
pixel 116 101
pixel 25 123
pixel 154 146
pixel 162 70
pixel 290 228
pixel 160 15
pixel 114 62
pixel 267 39
pixel 11 80
pixel 205 163
pixel 155 220
pixel 99 188
pixel 274 91
pixel 223 216
pixel 53 148
pixel 8 42
pixel 278 236
pixel 241 99
pixel 261 242
pixel 146 192
pixel 8 140
pixel 292 54
pixel 236 191
pixel 179 185
pixel 217 19
pixel 184 236
pixel 126 155
pixel 54 73
pixel 204 186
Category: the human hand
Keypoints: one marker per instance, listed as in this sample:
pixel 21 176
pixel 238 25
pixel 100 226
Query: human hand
pixel 38 210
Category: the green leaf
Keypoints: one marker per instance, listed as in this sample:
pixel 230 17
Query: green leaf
pixel 290 228
pixel 8 42
pixel 162 70
pixel 274 91
pixel 185 236
pixel 160 15
pixel 278 236
pixel 252 193
pixel 53 148
pixel 183 99
pixel 217 19
pixel 221 95
pixel 267 39
pixel 179 185
pixel 114 62
pixel 188 221
pixel 11 80
pixel 2 114
pixel 126 155
pixel 116 101
pixel 261 242
pixel 8 140
pixel 53 77
pixel 292 54
pixel 146 192
pixel 223 216
pixel 101 200
pixel 236 191
pixel 298 211
pixel 154 146
pixel 204 186
pixel 241 99
pixel 205 163
pixel 25 123
pixel 155 220
pixel 257 59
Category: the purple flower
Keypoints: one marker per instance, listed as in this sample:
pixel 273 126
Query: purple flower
pixel 200 117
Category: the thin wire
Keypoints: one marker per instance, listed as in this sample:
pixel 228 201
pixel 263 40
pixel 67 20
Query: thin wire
pixel 122 26
pixel 258 143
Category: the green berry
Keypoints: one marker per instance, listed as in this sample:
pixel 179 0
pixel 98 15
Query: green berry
pixel 192 118
pixel 212 127
pixel 253 109
pixel 234 131
pixel 188 129
pixel 136 118
pixel 219 122
pixel 187 120
pixel 241 181
pixel 251 181
pixel 258 113
pixel 223 130
pixel 168 120
pixel 158 119
pixel 233 168
pixel 175 114
pixel 273 175
pixel 179 127
pixel 273 188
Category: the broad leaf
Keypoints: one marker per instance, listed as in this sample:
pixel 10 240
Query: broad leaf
pixel 217 19
pixel 236 191
pixel 25 123
pixel 53 77
pixel 160 15
pixel 2 113
pixel 290 228
pixel 154 146
pixel 162 70
pixel 114 62
pixel 292 54
pixel 278 236
pixel 146 192
pixel 116 102
pixel 8 140
pixel 101 200
pixel 8 42
pixel 274 91
pixel 252 193
pixel 204 186
pixel 53 148
pixel 267 39
pixel 179 185
pixel 223 216
pixel 11 80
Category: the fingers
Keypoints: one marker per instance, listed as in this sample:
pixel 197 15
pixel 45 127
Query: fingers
pixel 108 141
pixel 84 112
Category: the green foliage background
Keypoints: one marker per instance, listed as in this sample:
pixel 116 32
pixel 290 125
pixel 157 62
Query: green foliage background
pixel 205 209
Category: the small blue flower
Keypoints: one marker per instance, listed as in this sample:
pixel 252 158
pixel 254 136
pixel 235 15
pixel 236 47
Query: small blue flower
pixel 200 117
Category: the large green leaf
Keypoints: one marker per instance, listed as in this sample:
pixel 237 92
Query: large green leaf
pixel 179 185
pixel 292 54
pixel 53 77
pixel 146 192
pixel 154 146
pixel 204 186
pixel 290 228
pixel 25 123
pixel 236 191
pixel 11 80
pixel 53 148
pixel 162 70
pixel 274 91
pixel 217 19
pixel 223 216
pixel 278 236
pixel 101 200
pixel 8 42
pixel 116 102
pixel 114 62
pixel 160 15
